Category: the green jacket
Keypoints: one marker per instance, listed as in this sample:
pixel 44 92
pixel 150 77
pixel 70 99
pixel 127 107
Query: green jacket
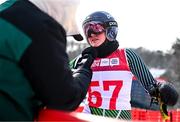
pixel 16 94
pixel 34 64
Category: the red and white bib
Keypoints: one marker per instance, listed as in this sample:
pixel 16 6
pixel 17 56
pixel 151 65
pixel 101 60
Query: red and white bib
pixel 110 87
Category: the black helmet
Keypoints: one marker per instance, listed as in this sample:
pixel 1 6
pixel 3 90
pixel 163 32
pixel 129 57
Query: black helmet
pixel 106 20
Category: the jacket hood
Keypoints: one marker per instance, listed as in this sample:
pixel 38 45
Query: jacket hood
pixel 63 11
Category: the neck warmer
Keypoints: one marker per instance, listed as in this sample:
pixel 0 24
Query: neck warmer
pixel 106 48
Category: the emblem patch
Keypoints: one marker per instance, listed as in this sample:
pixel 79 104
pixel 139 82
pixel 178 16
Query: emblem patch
pixel 104 62
pixel 114 61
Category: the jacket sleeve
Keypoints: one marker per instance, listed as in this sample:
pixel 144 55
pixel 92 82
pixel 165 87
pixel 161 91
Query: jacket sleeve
pixel 140 70
pixel 45 63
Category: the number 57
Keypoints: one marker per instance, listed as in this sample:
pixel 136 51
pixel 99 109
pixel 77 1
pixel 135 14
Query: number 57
pixel 106 86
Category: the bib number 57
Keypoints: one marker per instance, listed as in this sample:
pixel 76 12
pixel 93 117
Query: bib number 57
pixel 106 87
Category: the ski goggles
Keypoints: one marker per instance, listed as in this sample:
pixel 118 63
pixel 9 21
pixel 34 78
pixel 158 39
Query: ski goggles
pixel 93 28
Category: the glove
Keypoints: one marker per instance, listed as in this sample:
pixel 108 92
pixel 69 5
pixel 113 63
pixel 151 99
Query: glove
pixel 166 92
pixel 88 56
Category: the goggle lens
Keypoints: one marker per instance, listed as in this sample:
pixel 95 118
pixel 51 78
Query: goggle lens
pixel 93 28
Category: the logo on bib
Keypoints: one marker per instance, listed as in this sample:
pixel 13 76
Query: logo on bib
pixel 96 63
pixel 114 61
pixel 104 62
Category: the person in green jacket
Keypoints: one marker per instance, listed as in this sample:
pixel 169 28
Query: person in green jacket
pixel 34 70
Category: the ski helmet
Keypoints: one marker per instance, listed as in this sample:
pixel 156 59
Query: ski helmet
pixel 100 21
